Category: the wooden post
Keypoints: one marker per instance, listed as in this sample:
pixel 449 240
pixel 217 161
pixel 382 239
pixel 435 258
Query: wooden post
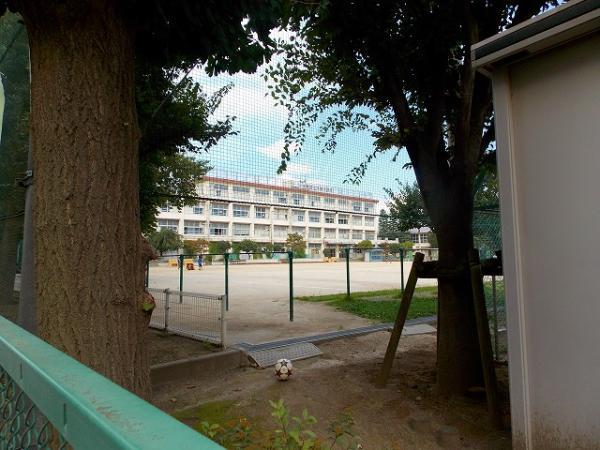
pixel 485 342
pixel 400 320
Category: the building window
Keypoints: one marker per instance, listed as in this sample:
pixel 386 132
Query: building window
pixel 280 197
pixel 218 229
pixel 280 214
pixel 243 190
pixel 424 238
pixel 329 201
pixel 297 199
pixel 343 219
pixel 343 203
pixel 314 233
pixel 280 232
pixel 241 229
pixel 356 220
pixel 329 233
pixel 298 216
pixel 357 235
pixel 241 210
pixel 165 208
pixel 193 227
pixel 314 200
pixel 262 194
pixel 344 234
pixel 357 206
pixel 299 230
pixel 168 224
pixel 329 218
pixel 414 238
pixel 198 209
pixel 314 217
pixel 218 190
pixel 369 221
pixel 261 212
pixel 262 230
pixel 219 209
pixel 368 208
pixel 370 235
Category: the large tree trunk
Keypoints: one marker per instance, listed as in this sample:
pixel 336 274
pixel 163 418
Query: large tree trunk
pixel 458 360
pixel 89 252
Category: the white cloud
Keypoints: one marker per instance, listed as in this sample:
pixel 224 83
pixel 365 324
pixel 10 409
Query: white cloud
pixel 275 150
pixel 298 168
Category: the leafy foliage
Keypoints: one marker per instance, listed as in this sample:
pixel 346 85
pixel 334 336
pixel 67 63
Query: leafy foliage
pixel 197 246
pixel 400 70
pixel 219 247
pixel 165 240
pixel 174 116
pixel 365 245
pixel 407 209
pixel 290 433
pixel 296 243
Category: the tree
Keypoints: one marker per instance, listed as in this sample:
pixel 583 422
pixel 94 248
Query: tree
pixel 85 136
pixel 396 247
pixel 175 118
pixel 407 209
pixel 364 245
pixel 219 247
pixel 401 69
pixel 249 246
pixel 14 144
pixel 296 243
pixel 197 246
pixel 165 240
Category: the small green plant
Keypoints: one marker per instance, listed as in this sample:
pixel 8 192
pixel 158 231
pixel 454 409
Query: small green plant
pixel 291 433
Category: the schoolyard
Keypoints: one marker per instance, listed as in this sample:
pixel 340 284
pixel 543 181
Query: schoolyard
pixel 259 294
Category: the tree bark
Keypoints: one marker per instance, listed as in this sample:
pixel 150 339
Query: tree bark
pixel 458 361
pixel 88 250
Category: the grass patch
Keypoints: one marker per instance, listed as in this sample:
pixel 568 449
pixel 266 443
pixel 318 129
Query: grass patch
pixel 381 305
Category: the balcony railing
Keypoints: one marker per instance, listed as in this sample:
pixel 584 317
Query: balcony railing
pixel 49 400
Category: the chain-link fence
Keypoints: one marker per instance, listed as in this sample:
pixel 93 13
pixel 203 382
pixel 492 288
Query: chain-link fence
pixel 487 234
pixel 190 314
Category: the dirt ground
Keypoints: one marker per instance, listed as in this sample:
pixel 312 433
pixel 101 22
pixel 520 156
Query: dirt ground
pixel 405 415
pixel 164 347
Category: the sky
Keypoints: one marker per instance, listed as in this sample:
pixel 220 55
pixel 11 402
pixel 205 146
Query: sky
pixel 255 152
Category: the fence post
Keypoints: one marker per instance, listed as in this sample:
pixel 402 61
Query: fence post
pixel 495 306
pixel 223 322
pixel 402 271
pixel 180 278
pixel 226 262
pixel 167 308
pixel 291 264
pixel 347 252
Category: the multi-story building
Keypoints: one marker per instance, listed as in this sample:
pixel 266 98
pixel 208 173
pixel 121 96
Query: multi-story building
pixel 233 210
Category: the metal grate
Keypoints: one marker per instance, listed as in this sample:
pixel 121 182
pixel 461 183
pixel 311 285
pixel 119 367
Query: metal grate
pixel 295 352
pixel 22 424
pixel 190 314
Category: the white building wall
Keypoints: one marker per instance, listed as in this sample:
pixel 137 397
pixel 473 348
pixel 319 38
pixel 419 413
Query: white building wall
pixel 547 118
pixel 282 218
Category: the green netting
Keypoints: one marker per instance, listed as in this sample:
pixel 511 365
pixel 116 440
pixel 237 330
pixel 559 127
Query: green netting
pixel 487 232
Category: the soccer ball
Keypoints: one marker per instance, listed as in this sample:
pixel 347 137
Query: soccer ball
pixel 283 369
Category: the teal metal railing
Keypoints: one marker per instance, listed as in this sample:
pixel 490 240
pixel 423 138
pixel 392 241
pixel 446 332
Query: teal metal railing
pixel 49 400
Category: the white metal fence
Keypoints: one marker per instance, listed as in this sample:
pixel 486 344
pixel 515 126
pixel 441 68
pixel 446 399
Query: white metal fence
pixel 190 314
